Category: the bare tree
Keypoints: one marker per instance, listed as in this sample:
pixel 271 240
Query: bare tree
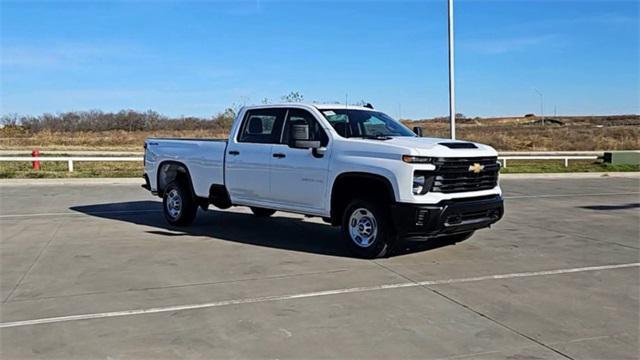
pixel 9 120
pixel 293 96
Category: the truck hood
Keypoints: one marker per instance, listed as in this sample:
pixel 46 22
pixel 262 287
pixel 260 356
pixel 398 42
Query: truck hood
pixel 425 146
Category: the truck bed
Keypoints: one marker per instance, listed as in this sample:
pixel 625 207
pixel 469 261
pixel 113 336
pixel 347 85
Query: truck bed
pixel 203 157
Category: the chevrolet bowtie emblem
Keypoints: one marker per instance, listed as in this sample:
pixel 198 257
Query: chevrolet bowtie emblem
pixel 476 168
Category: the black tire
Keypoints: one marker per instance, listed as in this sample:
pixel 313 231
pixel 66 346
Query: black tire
pixel 262 212
pixel 380 241
pixel 188 208
pixel 455 238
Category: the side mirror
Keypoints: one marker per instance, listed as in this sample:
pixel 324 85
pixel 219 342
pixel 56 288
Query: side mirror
pixel 417 130
pixel 299 137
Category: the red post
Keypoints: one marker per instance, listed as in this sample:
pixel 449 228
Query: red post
pixel 35 164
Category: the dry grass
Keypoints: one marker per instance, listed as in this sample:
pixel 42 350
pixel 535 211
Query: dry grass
pixel 518 134
pixel 103 140
pixel 505 134
pixel 533 138
pixel 82 169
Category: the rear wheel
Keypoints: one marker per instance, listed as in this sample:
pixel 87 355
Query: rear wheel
pixel 262 212
pixel 179 207
pixel 367 228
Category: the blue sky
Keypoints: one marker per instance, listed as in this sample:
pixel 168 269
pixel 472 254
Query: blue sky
pixel 197 58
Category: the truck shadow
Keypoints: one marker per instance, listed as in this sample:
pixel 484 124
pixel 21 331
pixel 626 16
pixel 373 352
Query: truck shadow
pixel 611 207
pixel 278 231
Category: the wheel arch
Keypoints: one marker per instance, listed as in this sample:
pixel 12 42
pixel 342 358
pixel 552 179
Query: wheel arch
pixel 170 170
pixel 349 185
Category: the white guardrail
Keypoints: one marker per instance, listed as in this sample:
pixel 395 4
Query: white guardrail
pixel 566 158
pixel 503 157
pixel 70 160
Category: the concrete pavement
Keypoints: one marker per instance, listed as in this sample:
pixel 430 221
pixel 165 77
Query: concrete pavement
pixel 93 271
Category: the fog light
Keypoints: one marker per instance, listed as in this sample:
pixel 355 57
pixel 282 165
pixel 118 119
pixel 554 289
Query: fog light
pixel 454 219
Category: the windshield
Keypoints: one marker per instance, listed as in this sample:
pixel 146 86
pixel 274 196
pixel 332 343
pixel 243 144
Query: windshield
pixel 365 123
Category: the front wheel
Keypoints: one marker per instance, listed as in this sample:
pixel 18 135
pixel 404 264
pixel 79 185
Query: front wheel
pixel 367 228
pixel 179 207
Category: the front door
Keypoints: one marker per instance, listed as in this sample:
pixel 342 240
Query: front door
pixel 298 177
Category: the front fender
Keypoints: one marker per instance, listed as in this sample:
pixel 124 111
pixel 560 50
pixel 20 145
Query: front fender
pixel 383 168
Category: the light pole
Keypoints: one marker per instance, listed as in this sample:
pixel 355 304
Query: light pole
pixel 452 87
pixel 541 105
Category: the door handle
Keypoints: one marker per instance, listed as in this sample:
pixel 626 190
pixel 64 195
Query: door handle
pixel 279 155
pixel 234 152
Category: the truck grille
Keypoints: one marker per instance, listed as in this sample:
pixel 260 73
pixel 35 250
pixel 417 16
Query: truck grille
pixel 455 175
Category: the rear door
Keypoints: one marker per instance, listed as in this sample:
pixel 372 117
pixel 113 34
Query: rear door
pixel 249 155
pixel 298 177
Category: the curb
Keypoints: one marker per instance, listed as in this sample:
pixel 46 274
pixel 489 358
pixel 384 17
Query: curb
pixel 72 181
pixel 577 175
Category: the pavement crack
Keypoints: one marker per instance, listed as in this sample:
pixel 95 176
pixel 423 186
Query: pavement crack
pixel 15 287
pixel 478 313
pixel 513 330
pixel 21 228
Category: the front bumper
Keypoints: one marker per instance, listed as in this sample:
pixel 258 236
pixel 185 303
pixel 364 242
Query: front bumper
pixel 446 217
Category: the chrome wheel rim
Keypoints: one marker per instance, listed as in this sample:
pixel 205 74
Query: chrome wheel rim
pixel 363 227
pixel 174 203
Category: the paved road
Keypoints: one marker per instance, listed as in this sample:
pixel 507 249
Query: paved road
pixel 93 271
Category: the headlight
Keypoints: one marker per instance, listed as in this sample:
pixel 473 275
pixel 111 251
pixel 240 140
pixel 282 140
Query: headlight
pixel 419 184
pixel 417 159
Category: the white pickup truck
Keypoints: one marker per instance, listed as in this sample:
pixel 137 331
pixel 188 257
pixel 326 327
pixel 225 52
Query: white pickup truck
pixel 353 166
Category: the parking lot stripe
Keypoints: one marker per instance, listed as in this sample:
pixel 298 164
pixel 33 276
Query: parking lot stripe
pixel 174 308
pixel 528 274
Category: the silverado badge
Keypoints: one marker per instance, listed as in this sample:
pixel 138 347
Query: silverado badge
pixel 476 168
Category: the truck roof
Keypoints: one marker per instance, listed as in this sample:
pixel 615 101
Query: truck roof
pixel 309 106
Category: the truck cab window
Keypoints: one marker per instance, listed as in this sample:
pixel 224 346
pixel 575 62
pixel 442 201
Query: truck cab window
pixel 299 116
pixel 262 126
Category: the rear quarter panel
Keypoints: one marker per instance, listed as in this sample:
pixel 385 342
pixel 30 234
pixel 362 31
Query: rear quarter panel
pixel 204 159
